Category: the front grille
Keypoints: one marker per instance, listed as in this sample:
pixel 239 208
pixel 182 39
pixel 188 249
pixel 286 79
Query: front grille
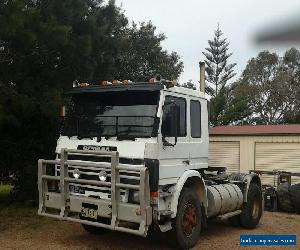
pixel 87 174
pixel 126 177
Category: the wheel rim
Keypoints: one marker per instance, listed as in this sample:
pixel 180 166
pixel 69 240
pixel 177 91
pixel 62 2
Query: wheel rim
pixel 255 207
pixel 189 219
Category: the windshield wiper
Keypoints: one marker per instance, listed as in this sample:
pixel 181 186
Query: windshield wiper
pixel 126 137
pixel 80 137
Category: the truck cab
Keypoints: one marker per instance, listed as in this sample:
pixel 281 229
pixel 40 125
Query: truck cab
pixel 133 157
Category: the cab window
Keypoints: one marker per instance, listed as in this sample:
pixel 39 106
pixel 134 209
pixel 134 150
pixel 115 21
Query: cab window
pixel 167 117
pixel 195 113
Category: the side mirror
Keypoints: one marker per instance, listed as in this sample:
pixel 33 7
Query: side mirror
pixel 172 121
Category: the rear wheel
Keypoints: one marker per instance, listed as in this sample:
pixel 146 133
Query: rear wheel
pixel 252 210
pixel 187 224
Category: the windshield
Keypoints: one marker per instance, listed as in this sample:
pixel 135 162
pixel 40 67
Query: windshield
pixel 131 114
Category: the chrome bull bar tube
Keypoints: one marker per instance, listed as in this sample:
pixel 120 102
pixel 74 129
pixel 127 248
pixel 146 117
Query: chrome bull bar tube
pixel 67 204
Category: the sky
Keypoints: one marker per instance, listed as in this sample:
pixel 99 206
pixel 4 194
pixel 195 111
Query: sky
pixel 189 24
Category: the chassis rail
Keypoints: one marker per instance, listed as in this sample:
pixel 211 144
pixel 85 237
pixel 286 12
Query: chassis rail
pixel 117 211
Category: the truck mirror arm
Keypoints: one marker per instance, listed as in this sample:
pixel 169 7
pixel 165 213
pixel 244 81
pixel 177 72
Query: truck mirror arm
pixel 168 144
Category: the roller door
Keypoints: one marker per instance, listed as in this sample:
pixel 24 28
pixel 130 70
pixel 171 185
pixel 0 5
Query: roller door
pixel 225 154
pixel 277 156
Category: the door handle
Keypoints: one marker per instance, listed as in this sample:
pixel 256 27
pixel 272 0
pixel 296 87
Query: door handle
pixel 187 162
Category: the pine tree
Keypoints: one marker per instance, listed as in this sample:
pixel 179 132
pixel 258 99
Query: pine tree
pixel 218 70
pixel 189 85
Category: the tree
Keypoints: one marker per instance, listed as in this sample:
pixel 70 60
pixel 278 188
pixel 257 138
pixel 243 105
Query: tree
pixel 189 84
pixel 267 92
pixel 291 64
pixel 235 106
pixel 142 56
pixel 44 47
pixel 218 70
pixel 218 74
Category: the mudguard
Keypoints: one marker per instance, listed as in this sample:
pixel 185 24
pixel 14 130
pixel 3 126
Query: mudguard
pixel 180 184
pixel 246 178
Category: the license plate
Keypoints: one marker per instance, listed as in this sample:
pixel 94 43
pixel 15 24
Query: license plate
pixel 89 211
pixel 76 189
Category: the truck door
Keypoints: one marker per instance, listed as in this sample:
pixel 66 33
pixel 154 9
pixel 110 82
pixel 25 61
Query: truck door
pixel 198 136
pixel 174 158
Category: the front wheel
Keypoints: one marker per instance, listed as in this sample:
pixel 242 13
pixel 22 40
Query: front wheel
pixel 187 224
pixel 252 210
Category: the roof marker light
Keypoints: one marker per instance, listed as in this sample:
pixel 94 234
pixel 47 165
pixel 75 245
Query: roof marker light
pixel 152 80
pixel 127 81
pixel 116 82
pixel 105 83
pixel 84 84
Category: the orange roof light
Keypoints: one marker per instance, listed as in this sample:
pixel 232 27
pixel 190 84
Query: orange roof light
pixel 152 80
pixel 116 82
pixel 105 83
pixel 84 84
pixel 127 81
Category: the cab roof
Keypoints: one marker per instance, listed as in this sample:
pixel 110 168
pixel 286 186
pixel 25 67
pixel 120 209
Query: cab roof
pixel 143 86
pixel 139 86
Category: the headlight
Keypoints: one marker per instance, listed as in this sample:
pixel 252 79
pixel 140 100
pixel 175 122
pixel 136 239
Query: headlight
pixel 76 173
pixel 102 176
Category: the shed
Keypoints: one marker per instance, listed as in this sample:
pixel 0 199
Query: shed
pixel 262 147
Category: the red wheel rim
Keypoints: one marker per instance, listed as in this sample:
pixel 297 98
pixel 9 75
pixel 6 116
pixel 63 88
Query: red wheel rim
pixel 189 219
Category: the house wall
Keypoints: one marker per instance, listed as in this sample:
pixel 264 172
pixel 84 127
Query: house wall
pixel 248 147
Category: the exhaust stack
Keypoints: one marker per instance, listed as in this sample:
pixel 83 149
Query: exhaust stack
pixel 202 76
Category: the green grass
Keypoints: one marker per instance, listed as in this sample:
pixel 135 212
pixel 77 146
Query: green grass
pixel 5 193
pixel 18 214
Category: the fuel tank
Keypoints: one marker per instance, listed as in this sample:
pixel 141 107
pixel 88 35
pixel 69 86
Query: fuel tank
pixel 223 198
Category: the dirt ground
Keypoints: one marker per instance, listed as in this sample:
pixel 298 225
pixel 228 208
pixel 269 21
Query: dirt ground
pixel 52 234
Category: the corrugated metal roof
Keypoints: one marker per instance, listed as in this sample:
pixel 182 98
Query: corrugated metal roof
pixel 255 130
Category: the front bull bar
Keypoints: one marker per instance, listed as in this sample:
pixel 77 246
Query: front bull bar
pixel 116 210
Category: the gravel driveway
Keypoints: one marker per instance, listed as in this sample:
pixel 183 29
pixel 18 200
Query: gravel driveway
pixel 52 234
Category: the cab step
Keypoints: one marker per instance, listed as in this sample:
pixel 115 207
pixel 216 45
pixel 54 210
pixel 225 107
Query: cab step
pixel 228 215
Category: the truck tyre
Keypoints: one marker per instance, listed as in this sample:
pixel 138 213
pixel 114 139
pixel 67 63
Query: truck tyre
pixel 94 230
pixel 295 196
pixel 186 227
pixel 284 198
pixel 252 209
pixel 235 221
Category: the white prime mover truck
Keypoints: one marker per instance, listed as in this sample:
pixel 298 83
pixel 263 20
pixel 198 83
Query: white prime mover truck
pixel 133 157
